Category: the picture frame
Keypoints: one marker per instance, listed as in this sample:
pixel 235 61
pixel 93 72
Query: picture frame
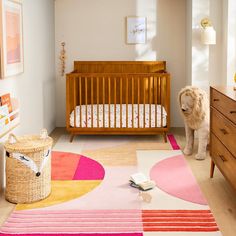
pixel 11 41
pixel 136 30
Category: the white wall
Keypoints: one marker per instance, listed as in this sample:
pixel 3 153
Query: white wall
pixel 216 76
pixel 224 38
pixel 200 52
pixel 170 45
pixel 95 30
pixel 35 88
pixel 207 67
pixel 188 42
pixel 214 64
pixel 231 42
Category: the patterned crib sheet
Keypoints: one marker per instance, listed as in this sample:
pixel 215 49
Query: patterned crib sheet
pixel 137 117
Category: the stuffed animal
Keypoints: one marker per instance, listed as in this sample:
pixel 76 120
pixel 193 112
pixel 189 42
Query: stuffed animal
pixel 194 107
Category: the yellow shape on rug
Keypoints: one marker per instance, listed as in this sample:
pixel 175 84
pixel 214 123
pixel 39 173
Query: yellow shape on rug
pixel 63 191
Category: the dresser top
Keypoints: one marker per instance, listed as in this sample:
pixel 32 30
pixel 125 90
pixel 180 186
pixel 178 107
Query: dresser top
pixel 226 90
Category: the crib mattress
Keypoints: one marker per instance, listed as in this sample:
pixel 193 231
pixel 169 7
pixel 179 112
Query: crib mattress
pixel 137 117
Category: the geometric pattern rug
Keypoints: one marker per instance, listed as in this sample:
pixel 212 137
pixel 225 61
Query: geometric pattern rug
pixel 91 194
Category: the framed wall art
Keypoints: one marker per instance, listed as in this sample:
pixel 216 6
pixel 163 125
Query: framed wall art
pixel 136 30
pixel 12 59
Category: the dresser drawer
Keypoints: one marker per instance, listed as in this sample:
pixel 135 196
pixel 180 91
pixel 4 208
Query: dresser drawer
pixel 224 104
pixel 224 130
pixel 223 159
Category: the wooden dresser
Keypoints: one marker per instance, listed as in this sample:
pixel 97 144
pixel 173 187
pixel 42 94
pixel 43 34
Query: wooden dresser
pixel 223 132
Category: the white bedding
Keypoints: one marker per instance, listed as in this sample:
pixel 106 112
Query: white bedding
pixel 112 118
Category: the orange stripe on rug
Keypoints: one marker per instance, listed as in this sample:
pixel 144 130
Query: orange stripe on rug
pixel 181 229
pixel 176 211
pixel 179 220
pixel 180 224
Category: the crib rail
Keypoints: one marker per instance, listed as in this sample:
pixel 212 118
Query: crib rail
pixel 122 99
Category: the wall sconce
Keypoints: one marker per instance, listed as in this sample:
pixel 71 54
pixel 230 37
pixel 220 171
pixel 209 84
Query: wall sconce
pixel 208 34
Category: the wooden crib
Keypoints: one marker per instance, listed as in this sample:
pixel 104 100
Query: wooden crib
pixel 118 98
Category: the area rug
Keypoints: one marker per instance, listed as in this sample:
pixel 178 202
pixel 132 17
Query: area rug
pixel 91 193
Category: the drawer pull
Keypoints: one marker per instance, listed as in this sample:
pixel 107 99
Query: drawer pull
pixel 223 131
pixel 222 158
pixel 232 112
pixel 216 100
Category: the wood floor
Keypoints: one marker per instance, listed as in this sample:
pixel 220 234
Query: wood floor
pixel 221 197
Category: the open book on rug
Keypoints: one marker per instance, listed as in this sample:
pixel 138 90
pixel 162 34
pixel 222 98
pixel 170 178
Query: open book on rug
pixel 140 181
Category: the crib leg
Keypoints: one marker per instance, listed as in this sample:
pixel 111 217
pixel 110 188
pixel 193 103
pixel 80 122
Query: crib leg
pixel 72 137
pixel 165 137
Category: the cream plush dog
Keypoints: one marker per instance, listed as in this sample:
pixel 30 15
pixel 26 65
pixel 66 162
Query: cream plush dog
pixel 194 105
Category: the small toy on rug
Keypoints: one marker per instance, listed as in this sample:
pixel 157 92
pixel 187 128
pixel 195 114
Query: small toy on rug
pixel 194 107
pixel 146 196
pixel 140 181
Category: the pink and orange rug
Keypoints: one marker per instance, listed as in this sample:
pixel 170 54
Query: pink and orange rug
pixel 90 197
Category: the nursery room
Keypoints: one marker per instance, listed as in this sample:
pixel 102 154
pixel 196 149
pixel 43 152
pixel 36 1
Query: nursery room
pixel 118 118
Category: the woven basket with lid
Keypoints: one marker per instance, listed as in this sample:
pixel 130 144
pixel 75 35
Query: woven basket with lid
pixel 28 168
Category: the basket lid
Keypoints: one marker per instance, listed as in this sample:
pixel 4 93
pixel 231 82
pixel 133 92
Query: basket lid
pixel 28 143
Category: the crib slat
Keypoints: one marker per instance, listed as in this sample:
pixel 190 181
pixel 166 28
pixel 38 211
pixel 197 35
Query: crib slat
pixel 103 100
pixel 68 102
pixel 149 94
pixel 138 98
pixel 132 102
pixel 127 97
pixel 97 101
pixel 80 100
pixel 144 101
pixel 86 100
pixel 161 99
pixel 109 102
pixel 155 97
pixel 115 102
pixel 167 103
pixel 120 102
pixel 74 100
pixel 92 101
pixel 159 96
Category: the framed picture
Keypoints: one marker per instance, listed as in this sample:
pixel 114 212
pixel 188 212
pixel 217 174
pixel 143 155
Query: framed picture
pixel 12 59
pixel 136 29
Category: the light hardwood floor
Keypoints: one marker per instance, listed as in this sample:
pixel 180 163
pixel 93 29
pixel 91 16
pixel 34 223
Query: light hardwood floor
pixel 220 195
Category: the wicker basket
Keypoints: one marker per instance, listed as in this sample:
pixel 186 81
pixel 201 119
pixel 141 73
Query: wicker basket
pixel 28 168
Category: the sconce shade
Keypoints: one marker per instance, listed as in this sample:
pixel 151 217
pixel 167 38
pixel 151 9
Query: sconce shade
pixel 208 35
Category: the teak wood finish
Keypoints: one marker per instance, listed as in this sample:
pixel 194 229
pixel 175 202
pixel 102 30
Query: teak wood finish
pixel 223 132
pixel 117 82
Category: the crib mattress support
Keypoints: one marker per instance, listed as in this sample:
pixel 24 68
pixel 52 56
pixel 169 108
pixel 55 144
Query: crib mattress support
pixel 73 134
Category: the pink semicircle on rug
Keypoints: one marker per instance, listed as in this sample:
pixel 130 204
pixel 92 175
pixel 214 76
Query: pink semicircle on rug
pixel 174 177
pixel 89 169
